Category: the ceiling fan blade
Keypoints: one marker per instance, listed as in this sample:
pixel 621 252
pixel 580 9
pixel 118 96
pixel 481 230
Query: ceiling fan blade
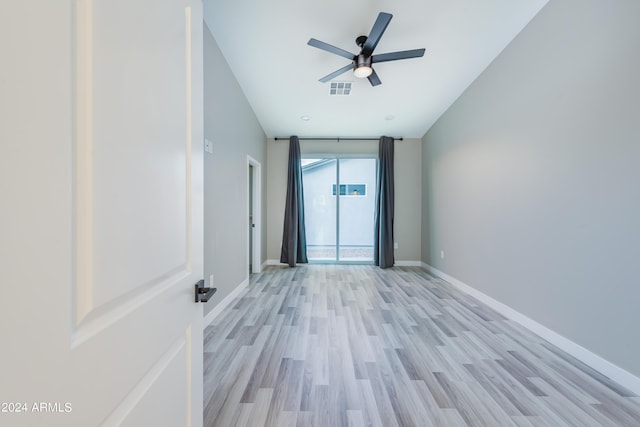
pixel 394 56
pixel 336 73
pixel 374 79
pixel 376 32
pixel 330 48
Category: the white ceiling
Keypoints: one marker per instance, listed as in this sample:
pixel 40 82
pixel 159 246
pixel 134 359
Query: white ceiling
pixel 265 44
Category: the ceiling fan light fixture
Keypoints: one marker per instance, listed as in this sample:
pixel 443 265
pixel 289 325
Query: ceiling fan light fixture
pixel 362 72
pixel 363 66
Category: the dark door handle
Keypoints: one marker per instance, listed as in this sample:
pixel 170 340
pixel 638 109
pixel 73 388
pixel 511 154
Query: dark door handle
pixel 203 294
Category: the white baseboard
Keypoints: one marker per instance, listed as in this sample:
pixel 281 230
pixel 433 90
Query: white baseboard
pixel 405 263
pixel 224 303
pixel 616 373
pixel 398 263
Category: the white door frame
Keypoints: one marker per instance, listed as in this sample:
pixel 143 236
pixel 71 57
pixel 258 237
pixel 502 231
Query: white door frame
pixel 254 258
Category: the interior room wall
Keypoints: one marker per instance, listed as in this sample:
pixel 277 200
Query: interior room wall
pixel 531 178
pixel 408 183
pixel 235 132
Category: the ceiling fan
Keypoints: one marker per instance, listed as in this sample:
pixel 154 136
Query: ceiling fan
pixel 361 64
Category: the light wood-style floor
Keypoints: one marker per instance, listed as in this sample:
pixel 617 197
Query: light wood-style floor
pixel 330 346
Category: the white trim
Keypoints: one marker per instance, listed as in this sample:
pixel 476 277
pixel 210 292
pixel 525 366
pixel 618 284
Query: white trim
pixel 407 263
pixel 616 373
pixel 226 301
pixel 399 263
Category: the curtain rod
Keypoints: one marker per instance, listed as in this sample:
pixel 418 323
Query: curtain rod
pixel 280 138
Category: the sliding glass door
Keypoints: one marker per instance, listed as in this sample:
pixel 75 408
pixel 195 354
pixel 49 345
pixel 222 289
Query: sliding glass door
pixel 339 196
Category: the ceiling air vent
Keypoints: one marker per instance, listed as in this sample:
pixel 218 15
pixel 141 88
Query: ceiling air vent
pixel 340 89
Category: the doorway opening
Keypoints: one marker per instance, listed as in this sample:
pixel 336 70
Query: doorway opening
pixel 339 199
pixel 254 203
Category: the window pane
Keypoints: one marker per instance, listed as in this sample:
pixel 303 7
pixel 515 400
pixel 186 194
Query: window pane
pixel 343 189
pixel 357 189
pixel 319 181
pixel 356 213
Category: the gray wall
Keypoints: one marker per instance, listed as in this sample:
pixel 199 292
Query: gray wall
pixel 407 180
pixel 532 180
pixel 232 126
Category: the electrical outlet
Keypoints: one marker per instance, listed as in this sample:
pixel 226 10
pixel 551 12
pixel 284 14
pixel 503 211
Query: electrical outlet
pixel 441 254
pixel 211 281
pixel 395 245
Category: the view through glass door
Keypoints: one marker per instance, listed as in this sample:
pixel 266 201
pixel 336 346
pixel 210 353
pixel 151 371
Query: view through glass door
pixel 339 196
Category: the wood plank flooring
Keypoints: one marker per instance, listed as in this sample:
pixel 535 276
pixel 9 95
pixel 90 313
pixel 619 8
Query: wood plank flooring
pixel 338 345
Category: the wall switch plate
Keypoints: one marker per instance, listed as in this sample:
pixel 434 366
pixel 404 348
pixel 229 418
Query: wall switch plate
pixel 208 146
pixel 211 281
pixel 441 254
pixel 395 245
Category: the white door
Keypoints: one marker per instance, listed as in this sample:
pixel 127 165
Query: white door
pixel 101 212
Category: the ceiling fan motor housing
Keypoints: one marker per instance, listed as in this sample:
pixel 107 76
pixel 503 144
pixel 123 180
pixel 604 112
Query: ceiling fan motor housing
pixel 363 60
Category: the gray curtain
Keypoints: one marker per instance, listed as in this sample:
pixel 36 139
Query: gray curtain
pixel 383 219
pixel 294 241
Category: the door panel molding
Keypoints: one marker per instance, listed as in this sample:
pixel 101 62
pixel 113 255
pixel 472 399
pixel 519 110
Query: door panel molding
pixel 176 353
pixel 90 314
pixel 100 318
